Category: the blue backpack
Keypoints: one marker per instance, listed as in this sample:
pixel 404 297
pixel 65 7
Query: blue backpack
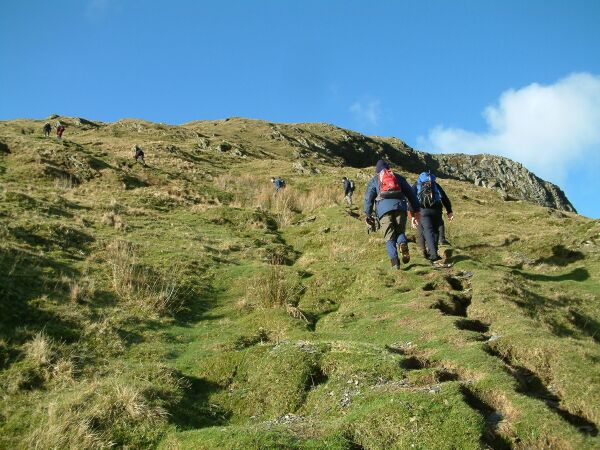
pixel 427 191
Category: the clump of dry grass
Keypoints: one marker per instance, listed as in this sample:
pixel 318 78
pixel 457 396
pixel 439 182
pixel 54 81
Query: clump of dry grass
pixel 284 204
pixel 41 364
pixel 251 191
pixel 287 203
pixel 39 350
pixel 80 290
pixel 104 413
pixel 140 287
pixel 319 197
pixel 65 183
pixel 275 288
pixel 113 217
pixel 114 220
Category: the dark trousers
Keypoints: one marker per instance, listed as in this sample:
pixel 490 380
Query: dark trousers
pixel 442 231
pixel 431 219
pixel 393 225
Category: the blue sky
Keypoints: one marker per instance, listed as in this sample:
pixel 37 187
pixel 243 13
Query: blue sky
pixel 518 78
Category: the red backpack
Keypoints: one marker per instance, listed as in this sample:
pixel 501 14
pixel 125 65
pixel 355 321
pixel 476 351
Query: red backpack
pixel 388 185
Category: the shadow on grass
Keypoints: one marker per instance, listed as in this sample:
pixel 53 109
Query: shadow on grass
pixel 490 437
pixel 586 324
pixel 562 256
pixel 198 302
pixel 578 274
pixel 531 385
pixel 24 284
pixel 314 317
pixel 195 410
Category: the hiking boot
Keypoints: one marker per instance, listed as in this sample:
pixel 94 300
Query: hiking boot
pixel 425 254
pixel 405 254
pixel 395 263
pixel 444 242
pixel 447 255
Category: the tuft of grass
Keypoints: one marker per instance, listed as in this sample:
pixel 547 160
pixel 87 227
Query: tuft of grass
pixel 276 288
pixel 106 412
pixel 114 220
pixel 138 286
pixel 80 290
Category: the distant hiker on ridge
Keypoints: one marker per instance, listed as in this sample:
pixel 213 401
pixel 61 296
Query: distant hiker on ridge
pixel 389 191
pixel 348 190
pixel 60 129
pixel 47 129
pixel 278 183
pixel 431 198
pixel 138 154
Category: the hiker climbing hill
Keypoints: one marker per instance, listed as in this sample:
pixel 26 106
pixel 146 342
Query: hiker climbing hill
pixel 349 188
pixel 389 193
pixel 432 199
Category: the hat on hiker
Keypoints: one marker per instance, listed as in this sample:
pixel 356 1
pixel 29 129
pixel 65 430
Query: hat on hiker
pixel 381 164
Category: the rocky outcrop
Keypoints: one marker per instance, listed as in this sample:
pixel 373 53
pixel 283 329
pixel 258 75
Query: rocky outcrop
pixel 510 178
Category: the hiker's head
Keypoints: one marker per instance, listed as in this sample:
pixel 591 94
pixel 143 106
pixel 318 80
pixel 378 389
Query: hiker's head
pixel 381 164
pixel 272 179
pixel 344 178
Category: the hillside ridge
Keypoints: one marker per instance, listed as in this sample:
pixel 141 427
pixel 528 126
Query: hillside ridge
pixel 336 145
pixel 182 303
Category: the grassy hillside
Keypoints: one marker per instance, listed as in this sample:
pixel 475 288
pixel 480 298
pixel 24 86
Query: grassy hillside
pixel 183 305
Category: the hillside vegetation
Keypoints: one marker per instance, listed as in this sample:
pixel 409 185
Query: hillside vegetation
pixel 182 305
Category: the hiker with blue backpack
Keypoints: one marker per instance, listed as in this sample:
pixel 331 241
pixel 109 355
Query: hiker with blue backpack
pixel 389 193
pixel 432 199
pixel 348 190
pixel 278 183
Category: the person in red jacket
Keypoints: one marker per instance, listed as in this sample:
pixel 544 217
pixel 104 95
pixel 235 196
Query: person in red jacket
pixel 60 130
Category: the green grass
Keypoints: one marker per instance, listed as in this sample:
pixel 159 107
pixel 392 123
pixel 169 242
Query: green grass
pixel 183 306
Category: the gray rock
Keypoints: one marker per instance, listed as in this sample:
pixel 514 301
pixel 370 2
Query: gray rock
pixel 305 168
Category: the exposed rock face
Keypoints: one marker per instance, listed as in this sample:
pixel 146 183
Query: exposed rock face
pixel 509 177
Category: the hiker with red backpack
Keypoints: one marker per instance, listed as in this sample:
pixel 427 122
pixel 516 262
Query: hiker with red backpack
pixel 389 193
pixel 432 199
pixel 60 129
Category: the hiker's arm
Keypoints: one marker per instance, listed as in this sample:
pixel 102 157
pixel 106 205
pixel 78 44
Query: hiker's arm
pixel 370 194
pixel 413 201
pixel 445 201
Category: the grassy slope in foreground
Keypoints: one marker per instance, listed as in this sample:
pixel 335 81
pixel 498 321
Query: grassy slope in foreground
pixel 142 307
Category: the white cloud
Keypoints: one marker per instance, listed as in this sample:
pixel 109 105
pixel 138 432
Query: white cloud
pixel 548 128
pixel 367 113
